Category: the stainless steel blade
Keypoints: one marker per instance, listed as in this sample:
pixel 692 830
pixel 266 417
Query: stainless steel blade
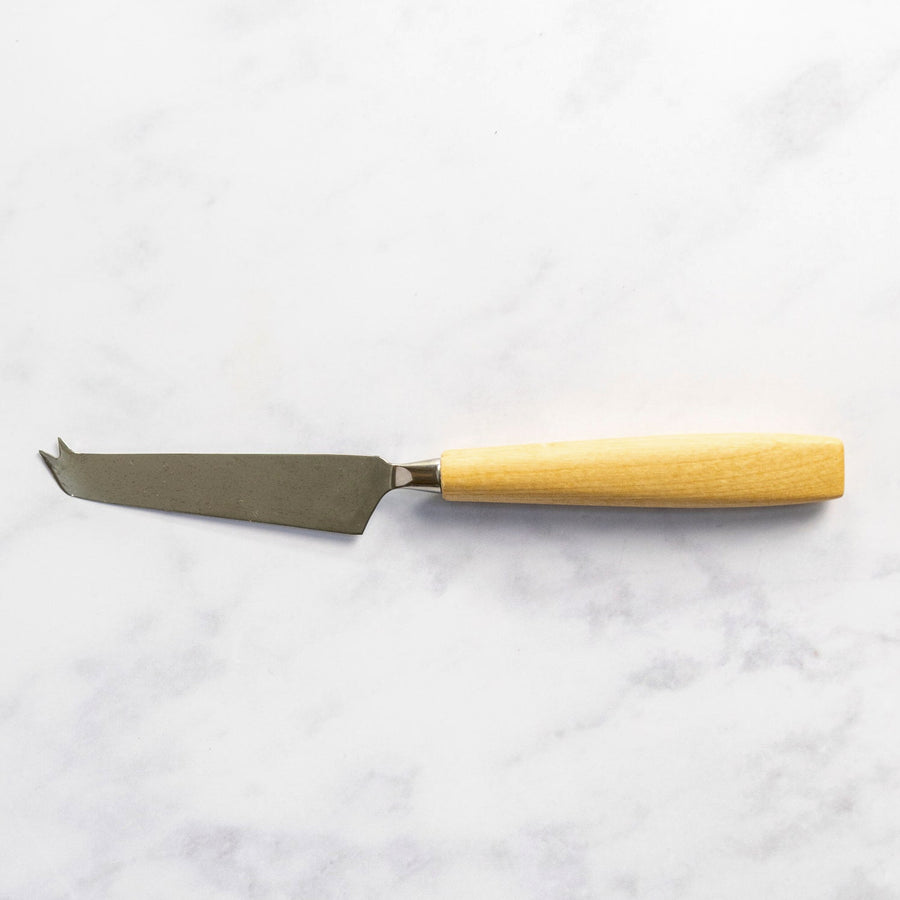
pixel 329 492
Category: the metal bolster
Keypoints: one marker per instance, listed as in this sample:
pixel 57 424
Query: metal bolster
pixel 419 476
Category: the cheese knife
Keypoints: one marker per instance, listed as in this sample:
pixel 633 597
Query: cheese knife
pixel 333 492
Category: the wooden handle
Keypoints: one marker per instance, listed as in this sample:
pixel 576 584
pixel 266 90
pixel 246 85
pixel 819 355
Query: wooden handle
pixel 691 470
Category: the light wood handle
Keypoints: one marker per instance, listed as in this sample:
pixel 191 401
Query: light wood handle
pixel 695 470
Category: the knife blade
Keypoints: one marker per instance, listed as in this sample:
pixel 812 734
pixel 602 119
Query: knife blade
pixel 337 492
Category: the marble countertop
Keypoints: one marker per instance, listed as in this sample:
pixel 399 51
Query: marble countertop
pixel 396 228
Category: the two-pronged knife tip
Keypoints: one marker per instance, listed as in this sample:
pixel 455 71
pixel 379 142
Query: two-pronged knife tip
pixel 62 451
pixel 54 462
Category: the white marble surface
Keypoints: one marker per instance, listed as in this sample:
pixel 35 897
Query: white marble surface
pixel 397 228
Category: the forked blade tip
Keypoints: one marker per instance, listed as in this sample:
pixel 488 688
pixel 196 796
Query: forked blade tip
pixel 63 449
pixel 54 462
